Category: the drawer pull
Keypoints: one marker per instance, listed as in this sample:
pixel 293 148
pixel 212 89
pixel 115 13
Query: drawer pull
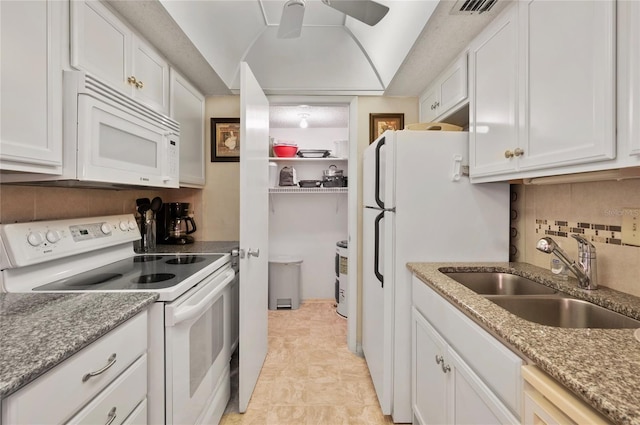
pixel 112 416
pixel 110 362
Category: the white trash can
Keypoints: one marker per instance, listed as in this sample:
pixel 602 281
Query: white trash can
pixel 284 281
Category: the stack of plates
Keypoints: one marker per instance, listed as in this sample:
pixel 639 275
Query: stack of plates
pixel 313 153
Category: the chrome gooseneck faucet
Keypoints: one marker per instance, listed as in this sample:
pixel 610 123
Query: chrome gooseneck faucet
pixel 585 269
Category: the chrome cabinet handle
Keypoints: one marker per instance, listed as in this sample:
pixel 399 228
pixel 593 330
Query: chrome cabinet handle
pixel 445 367
pixel 508 154
pixel 518 152
pixel 110 362
pixel 253 252
pixel 237 253
pixel 439 359
pixel 112 416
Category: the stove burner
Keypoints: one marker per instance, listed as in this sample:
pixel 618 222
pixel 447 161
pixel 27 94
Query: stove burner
pixel 152 278
pixel 187 259
pixel 145 258
pixel 92 280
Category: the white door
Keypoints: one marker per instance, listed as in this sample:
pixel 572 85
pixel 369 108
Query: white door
pixel 254 232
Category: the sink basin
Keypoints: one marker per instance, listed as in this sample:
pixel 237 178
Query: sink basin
pixel 490 283
pixel 564 312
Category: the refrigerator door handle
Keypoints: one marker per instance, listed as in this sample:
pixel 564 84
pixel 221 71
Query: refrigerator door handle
pixel 378 177
pixel 376 260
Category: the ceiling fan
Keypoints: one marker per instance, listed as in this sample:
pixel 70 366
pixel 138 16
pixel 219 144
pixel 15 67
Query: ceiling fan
pixel 367 11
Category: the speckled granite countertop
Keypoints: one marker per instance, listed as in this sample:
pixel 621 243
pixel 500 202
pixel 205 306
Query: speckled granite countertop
pixel 601 366
pixel 198 247
pixel 38 331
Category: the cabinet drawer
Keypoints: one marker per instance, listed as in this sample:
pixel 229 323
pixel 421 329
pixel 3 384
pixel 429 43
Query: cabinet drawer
pixel 119 399
pixel 495 364
pixel 58 394
pixel 138 416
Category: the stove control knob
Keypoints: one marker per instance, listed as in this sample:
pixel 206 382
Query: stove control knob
pixel 124 226
pixel 105 228
pixel 53 236
pixel 132 224
pixel 35 238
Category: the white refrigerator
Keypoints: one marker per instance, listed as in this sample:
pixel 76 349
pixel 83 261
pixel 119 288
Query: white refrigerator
pixel 418 205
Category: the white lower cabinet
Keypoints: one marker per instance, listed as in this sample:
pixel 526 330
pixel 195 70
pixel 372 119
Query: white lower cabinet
pixel 546 402
pixel 103 383
pixel 445 388
pixel 461 374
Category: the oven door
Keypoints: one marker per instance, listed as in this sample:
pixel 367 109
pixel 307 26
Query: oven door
pixel 197 348
pixel 116 146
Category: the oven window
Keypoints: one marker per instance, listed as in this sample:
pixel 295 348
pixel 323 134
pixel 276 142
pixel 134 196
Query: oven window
pixel 206 338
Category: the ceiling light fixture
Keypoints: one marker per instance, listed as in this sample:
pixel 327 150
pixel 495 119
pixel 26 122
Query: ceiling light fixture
pixel 303 120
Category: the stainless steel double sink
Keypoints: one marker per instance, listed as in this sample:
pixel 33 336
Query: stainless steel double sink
pixel 541 304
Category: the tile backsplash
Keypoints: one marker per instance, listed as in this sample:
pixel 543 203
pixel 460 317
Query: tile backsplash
pixel 29 203
pixel 594 210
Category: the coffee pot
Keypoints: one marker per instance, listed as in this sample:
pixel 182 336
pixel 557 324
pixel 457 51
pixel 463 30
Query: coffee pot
pixel 174 225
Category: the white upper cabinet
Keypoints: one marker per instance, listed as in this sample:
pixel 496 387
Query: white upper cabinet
pixel 629 76
pixel 31 40
pixel 447 93
pixel 104 46
pixel 187 107
pixel 567 50
pixel 493 87
pixel 563 111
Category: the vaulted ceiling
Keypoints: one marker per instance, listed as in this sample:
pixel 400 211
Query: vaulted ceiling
pixel 335 54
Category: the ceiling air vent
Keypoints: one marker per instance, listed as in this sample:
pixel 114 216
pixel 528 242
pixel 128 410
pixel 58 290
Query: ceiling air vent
pixel 471 7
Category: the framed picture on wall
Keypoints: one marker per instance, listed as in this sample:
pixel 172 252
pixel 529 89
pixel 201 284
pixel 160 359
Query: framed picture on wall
pixel 379 123
pixel 225 139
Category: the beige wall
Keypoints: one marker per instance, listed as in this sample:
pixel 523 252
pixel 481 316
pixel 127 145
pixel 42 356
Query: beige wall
pixel 221 195
pixel 28 203
pixel 598 203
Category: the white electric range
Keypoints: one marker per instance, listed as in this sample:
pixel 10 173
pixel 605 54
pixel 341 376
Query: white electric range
pixel 189 326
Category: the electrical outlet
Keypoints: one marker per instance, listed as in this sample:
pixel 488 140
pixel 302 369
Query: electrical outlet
pixel 631 226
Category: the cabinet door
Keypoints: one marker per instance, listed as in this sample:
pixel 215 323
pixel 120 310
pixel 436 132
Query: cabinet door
pixel 31 86
pixel 493 87
pixel 431 383
pixel 568 95
pixel 151 72
pixel 187 107
pixel 473 401
pixel 629 75
pixel 100 43
pixel 453 87
pixel 429 105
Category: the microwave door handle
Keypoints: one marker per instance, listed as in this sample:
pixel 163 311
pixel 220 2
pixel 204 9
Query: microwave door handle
pixel 180 315
pixel 376 260
pixel 378 147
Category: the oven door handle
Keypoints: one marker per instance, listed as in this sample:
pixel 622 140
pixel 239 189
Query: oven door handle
pixel 179 315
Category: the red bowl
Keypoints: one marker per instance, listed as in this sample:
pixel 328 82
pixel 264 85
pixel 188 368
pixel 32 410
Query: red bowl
pixel 285 151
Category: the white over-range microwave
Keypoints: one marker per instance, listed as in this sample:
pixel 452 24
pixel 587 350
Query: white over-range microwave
pixel 111 140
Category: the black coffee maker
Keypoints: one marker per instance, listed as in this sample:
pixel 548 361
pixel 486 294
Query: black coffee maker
pixel 174 224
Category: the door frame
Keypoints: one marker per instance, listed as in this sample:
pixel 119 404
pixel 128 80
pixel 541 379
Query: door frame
pixel 352 199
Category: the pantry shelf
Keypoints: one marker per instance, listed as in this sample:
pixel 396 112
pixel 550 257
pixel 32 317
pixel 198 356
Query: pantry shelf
pixel 308 190
pixel 296 159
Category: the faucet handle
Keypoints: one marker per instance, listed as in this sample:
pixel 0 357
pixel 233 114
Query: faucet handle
pixel 585 248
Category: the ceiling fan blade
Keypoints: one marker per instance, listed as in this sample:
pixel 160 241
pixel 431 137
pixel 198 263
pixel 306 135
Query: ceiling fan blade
pixel 291 20
pixel 367 11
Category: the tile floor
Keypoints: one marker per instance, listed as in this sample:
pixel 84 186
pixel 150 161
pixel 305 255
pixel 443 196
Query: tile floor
pixel 309 375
